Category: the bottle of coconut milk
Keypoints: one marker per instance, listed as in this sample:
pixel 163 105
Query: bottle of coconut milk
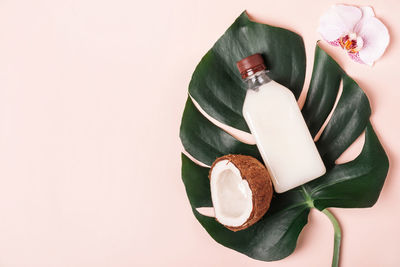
pixel 274 118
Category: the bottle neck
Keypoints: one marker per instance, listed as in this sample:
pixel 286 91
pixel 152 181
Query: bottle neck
pixel 254 81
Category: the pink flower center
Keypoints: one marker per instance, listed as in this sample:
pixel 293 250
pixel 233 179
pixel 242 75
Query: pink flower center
pixel 351 43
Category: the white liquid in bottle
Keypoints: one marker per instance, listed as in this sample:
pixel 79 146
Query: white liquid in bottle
pixel 283 139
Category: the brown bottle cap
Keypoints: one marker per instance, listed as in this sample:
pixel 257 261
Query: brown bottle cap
pixel 254 62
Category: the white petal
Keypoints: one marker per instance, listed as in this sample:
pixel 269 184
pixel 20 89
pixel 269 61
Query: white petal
pixel 367 12
pixel 339 20
pixel 376 38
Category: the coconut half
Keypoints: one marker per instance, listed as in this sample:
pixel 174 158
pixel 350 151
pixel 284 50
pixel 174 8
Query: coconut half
pixel 241 190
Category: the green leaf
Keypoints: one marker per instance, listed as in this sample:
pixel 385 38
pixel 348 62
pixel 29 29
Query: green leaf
pixel 272 238
pixel 217 87
pixel 205 141
pixel 196 183
pixel 355 184
pixel 221 95
pixel 346 123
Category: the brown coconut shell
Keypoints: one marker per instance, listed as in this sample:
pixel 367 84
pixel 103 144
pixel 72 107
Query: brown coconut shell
pixel 259 180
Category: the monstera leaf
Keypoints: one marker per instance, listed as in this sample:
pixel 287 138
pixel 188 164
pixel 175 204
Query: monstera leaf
pixel 217 87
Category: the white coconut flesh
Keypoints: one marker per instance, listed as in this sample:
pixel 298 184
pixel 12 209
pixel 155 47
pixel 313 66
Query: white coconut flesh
pixel 231 195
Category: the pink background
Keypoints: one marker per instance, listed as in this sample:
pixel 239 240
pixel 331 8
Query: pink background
pixel 91 97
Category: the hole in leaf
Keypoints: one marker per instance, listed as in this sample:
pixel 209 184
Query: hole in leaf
pixel 242 136
pixel 352 151
pixel 194 159
pixel 206 211
pixel 317 136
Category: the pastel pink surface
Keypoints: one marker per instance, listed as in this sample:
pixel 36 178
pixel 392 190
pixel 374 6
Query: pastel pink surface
pixel 91 96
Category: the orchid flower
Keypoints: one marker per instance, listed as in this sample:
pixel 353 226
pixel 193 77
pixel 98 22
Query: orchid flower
pixel 356 30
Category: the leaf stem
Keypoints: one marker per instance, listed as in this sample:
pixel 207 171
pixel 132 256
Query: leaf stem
pixel 337 237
